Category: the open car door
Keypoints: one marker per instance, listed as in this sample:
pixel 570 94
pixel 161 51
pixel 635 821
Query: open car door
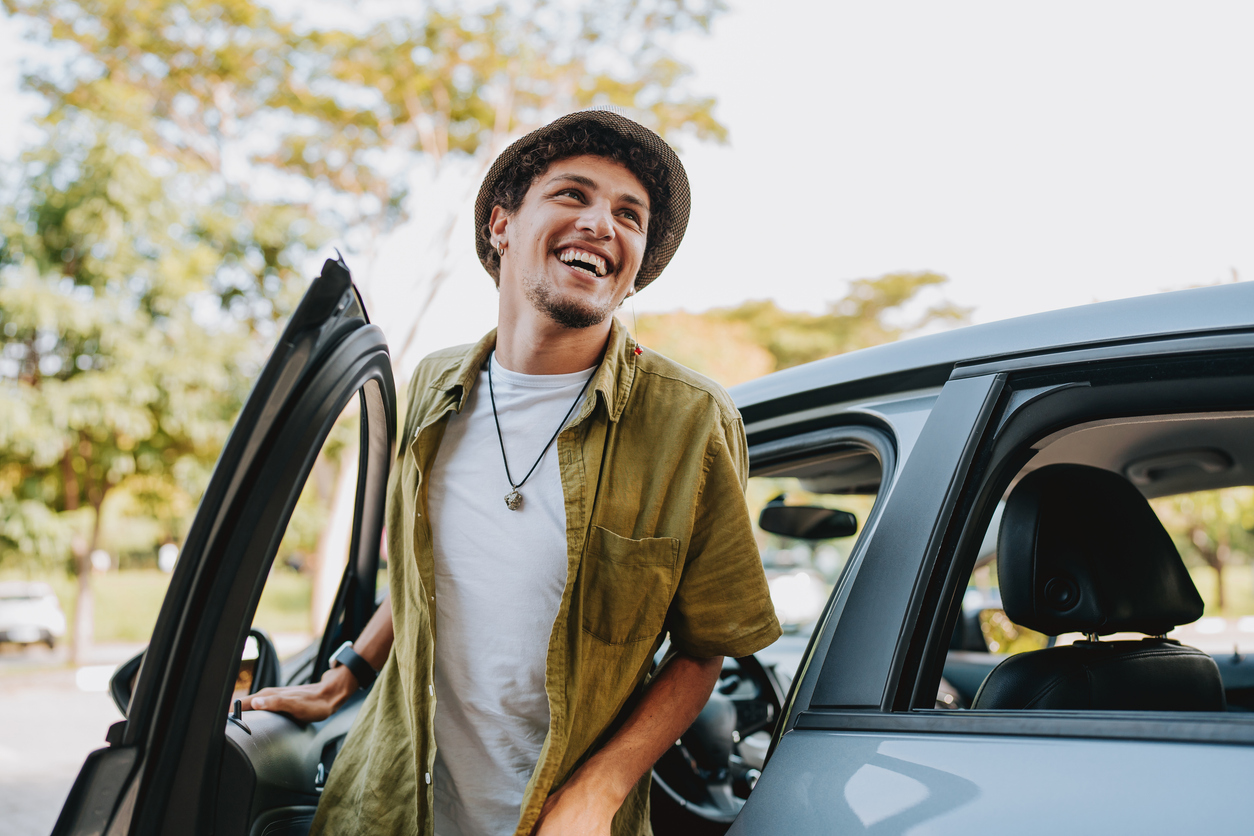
pixel 172 766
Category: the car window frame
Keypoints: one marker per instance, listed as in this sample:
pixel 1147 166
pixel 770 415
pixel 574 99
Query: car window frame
pixel 1038 398
pixel 865 434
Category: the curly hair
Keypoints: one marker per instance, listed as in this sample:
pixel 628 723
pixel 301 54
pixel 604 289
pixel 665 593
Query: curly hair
pixel 577 140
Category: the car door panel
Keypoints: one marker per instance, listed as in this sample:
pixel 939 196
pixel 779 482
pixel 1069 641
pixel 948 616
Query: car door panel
pixel 822 782
pixel 176 726
pixel 274 767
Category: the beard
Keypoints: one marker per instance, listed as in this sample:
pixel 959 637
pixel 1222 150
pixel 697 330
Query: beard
pixel 566 312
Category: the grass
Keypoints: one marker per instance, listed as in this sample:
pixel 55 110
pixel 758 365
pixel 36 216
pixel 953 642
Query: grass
pixel 128 602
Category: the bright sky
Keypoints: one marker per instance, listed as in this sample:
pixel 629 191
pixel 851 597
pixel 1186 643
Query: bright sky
pixel 1040 155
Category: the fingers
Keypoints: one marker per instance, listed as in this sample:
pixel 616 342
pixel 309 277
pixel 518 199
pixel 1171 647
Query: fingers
pixel 264 699
pixel 304 703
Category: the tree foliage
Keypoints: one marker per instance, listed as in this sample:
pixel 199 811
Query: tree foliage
pixel 121 363
pixel 733 345
pixel 195 153
pixel 1211 528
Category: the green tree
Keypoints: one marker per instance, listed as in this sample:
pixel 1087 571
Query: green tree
pixel 336 121
pixel 121 364
pixel 295 120
pixel 733 345
pixel 1211 528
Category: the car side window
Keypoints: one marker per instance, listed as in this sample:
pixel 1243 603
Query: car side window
pixel 1214 534
pixel 300 590
pixel 809 514
pixel 1117 540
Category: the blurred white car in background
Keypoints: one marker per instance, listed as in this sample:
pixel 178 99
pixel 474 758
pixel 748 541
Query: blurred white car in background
pixel 30 613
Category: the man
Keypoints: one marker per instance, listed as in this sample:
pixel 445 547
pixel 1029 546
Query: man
pixel 562 501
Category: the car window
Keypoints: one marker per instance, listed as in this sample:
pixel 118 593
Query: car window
pixel 802 571
pixel 1214 533
pixel 1212 529
pixel 300 590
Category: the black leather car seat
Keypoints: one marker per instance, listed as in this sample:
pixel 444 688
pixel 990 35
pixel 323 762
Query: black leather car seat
pixel 1080 550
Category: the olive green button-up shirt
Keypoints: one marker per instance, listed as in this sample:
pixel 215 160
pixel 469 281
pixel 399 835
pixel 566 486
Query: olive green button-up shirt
pixel 658 540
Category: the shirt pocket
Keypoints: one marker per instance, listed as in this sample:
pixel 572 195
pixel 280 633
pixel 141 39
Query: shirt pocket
pixel 627 586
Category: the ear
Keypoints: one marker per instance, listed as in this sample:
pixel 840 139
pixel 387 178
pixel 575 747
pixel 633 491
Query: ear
pixel 498 222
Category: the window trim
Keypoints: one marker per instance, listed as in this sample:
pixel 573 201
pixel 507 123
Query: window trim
pixel 1171 726
pixel 867 434
pixel 1033 406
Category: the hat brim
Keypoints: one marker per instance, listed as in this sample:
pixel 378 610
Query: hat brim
pixel 663 248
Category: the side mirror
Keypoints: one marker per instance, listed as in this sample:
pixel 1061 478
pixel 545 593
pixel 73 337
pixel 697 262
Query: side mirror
pixel 258 668
pixel 806 522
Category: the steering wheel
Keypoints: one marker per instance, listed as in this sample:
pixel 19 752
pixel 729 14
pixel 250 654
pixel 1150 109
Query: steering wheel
pixel 700 783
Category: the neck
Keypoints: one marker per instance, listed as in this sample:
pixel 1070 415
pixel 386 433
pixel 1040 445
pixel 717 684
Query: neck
pixel 528 342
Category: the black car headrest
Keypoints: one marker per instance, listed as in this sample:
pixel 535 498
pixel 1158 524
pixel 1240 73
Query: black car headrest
pixel 1080 550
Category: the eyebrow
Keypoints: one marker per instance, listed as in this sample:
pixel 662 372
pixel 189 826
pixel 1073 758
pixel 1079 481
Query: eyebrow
pixel 625 197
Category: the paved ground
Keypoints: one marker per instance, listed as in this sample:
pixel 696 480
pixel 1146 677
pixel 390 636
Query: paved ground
pixel 48 724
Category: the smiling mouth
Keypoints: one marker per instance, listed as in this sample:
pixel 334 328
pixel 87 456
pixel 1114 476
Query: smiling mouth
pixel 591 264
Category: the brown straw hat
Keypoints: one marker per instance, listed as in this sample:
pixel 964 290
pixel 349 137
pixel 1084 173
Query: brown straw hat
pixel 662 243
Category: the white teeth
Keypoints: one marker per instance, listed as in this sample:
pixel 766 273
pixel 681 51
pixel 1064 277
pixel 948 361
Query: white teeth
pixel 595 261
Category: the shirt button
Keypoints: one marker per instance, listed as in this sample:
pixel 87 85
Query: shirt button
pixel 428 777
pixel 431 690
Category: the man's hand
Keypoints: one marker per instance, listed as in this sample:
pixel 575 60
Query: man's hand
pixel 307 703
pixel 585 805
pixel 319 700
pixel 577 810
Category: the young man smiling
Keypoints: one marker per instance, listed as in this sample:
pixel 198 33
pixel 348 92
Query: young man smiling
pixel 562 501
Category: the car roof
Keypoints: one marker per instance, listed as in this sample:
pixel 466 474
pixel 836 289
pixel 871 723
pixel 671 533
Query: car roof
pixel 928 361
pixel 24 590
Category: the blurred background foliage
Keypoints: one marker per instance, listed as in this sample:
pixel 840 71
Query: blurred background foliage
pixel 192 155
pixel 733 345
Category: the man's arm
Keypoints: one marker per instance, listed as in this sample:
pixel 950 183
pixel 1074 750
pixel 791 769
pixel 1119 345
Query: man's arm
pixel 586 804
pixel 319 700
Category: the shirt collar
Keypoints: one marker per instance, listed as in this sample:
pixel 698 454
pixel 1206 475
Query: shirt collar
pixel 612 379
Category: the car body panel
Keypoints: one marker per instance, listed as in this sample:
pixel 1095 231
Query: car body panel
pixel 860 656
pixel 823 782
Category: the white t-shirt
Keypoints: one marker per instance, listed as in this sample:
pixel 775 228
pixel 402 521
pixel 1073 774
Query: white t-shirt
pixel 499 576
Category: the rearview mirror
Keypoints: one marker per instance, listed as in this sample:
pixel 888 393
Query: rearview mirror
pixel 806 522
pixel 122 683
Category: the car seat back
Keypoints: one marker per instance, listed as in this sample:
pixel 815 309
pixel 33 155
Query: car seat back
pixel 1080 550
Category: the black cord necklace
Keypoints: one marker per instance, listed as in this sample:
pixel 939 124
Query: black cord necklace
pixel 513 499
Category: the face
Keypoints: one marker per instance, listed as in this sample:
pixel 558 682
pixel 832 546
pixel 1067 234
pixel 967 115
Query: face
pixel 575 244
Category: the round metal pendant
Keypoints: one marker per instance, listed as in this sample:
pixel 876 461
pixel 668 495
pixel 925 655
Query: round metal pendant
pixel 513 500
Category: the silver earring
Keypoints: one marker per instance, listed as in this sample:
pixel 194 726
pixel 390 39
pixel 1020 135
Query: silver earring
pixel 500 250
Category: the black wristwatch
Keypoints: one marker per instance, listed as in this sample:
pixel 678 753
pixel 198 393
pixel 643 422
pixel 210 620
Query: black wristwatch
pixel 350 659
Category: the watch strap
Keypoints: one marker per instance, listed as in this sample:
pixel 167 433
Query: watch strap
pixel 350 659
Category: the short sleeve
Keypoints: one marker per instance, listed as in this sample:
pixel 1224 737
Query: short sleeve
pixel 722 606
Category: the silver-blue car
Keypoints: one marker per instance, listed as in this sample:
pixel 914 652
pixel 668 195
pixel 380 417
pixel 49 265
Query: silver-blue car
pixel 990 629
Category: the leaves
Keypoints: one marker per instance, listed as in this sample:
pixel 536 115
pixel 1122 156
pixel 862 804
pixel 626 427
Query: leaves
pixel 113 369
pixel 733 345
pixel 196 151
